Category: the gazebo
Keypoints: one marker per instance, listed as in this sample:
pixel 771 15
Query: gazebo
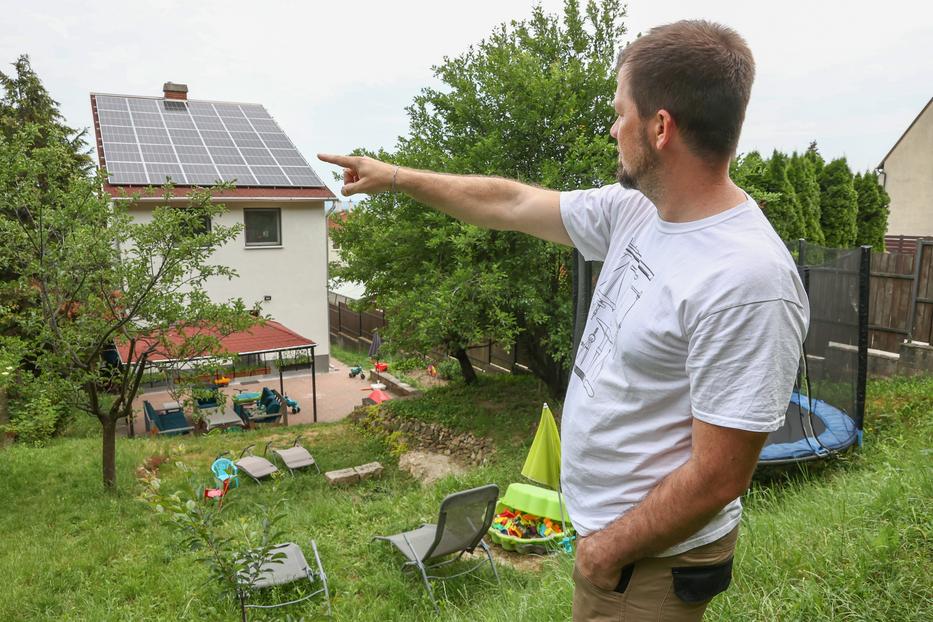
pixel 270 337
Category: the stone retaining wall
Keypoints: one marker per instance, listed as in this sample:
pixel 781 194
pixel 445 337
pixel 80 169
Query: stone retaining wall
pixel 407 433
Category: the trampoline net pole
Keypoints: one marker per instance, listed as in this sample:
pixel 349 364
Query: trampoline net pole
pixel 863 302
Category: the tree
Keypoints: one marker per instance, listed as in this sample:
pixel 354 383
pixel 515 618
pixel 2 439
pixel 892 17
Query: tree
pixel 100 278
pixel 783 210
pixel 873 210
pixel 25 102
pixel 801 172
pixel 838 205
pixel 749 172
pixel 530 102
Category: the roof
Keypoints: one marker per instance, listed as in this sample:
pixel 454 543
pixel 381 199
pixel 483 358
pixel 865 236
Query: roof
pixel 907 131
pixel 306 186
pixel 267 337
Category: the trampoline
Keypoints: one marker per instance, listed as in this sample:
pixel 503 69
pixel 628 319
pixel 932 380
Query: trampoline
pixel 827 406
pixel 826 409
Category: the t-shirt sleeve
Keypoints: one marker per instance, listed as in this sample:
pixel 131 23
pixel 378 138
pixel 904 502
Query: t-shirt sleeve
pixel 742 362
pixel 591 216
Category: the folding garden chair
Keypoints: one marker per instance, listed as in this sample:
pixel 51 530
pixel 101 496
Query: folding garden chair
pixel 295 457
pixel 256 467
pixel 285 564
pixel 166 421
pixel 463 521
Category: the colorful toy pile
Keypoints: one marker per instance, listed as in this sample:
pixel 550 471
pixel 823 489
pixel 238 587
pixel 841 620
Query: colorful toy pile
pixel 525 526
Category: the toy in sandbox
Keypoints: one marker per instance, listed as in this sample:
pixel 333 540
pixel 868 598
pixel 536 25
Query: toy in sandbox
pixel 532 519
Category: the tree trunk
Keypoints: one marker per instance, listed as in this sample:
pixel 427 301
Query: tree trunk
pixel 109 452
pixel 466 367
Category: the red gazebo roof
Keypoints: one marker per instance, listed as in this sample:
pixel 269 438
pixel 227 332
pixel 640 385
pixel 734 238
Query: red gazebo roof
pixel 268 337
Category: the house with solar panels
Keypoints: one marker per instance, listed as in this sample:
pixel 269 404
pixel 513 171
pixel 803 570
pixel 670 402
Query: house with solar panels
pixel 281 254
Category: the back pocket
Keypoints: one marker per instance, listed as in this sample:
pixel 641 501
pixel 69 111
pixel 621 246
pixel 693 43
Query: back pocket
pixel 697 584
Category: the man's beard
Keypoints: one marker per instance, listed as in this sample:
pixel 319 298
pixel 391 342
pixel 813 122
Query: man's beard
pixel 642 175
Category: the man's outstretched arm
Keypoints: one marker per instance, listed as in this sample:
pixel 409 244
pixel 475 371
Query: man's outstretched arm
pixel 488 202
pixel 718 471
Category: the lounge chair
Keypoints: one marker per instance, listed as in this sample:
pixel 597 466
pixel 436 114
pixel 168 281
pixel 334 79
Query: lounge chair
pixel 286 563
pixel 165 421
pixel 256 467
pixel 463 521
pixel 294 457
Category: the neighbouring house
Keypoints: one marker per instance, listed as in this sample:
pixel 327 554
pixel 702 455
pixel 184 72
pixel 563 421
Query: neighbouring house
pixel 281 255
pixel 906 173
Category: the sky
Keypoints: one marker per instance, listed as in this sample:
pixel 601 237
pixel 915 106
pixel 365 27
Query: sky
pixel 337 76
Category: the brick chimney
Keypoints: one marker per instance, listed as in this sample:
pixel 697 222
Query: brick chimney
pixel 175 91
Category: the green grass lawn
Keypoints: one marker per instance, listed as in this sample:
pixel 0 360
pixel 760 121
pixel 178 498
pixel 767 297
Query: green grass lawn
pixel 847 541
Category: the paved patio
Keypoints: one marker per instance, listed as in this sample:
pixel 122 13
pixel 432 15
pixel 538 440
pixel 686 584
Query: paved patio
pixel 337 394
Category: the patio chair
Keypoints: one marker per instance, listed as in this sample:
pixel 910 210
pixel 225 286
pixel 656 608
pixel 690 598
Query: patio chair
pixel 256 467
pixel 285 564
pixel 294 457
pixel 165 421
pixel 263 411
pixel 463 520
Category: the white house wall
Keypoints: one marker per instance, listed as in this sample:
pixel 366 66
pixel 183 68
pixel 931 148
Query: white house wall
pixel 908 179
pixel 294 274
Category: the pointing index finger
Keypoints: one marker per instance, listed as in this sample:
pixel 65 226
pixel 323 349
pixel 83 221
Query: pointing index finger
pixel 339 160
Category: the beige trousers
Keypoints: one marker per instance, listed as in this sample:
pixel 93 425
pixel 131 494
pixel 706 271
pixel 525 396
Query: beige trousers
pixel 659 589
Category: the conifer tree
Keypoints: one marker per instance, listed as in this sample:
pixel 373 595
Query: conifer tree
pixel 838 205
pixel 873 210
pixel 783 210
pixel 801 172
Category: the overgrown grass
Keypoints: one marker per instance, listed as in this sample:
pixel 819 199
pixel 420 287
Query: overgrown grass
pixel 849 541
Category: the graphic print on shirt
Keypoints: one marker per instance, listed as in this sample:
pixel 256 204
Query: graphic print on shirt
pixel 612 301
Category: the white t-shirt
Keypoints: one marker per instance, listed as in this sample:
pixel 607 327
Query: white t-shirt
pixel 700 319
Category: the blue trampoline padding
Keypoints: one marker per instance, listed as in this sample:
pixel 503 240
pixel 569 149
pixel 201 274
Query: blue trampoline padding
pixel 840 433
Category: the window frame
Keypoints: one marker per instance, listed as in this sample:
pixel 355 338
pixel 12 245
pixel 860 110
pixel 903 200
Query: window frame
pixel 275 244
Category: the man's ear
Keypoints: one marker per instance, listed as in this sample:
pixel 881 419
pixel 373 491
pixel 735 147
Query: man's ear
pixel 664 129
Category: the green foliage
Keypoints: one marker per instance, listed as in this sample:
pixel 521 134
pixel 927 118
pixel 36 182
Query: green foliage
pixel 838 205
pixel 873 210
pixel 803 197
pixel 801 172
pixel 530 102
pixel 233 552
pixel 34 420
pixel 750 172
pixel 448 369
pixel 783 210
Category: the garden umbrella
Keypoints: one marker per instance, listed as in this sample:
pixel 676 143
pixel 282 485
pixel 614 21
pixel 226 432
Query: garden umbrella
pixel 375 345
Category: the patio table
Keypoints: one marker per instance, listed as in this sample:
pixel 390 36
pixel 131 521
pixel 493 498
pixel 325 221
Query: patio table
pixel 217 418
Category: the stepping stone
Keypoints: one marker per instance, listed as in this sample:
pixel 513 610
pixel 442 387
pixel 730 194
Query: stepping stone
pixel 342 476
pixel 366 471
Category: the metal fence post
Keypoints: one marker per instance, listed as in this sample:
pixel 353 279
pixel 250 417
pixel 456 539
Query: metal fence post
pixel 863 301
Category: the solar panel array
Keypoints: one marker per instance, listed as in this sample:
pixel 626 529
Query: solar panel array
pixel 148 140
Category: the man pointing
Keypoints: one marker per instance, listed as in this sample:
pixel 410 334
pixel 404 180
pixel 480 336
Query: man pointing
pixel 694 331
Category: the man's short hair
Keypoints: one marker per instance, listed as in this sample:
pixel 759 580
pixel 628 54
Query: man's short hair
pixel 701 73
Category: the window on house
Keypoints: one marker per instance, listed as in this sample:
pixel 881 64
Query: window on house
pixel 263 227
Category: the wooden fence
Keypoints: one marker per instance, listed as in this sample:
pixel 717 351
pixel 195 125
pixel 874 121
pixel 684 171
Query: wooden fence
pixel 901 304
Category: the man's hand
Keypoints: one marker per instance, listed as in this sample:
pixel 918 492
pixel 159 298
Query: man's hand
pixel 595 564
pixel 361 174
